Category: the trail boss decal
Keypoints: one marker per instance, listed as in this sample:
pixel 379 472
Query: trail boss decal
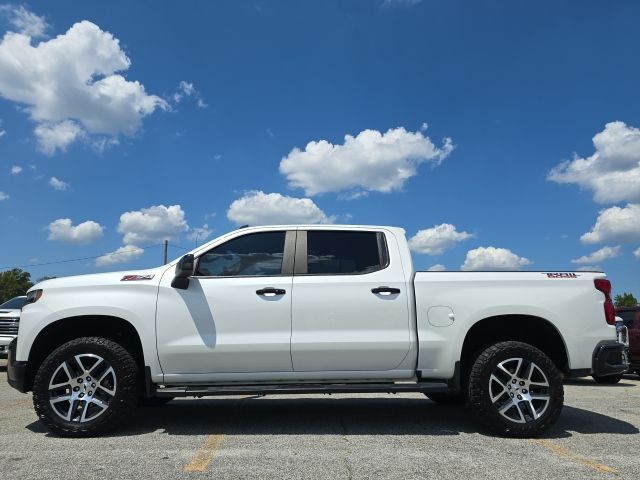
pixel 561 275
pixel 134 278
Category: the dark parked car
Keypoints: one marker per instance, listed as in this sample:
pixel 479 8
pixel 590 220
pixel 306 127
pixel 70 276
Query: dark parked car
pixel 631 319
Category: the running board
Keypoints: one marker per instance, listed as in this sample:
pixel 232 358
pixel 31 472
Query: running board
pixel 300 388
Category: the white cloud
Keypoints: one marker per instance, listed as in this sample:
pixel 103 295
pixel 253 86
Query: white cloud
pixel 58 184
pixel 152 225
pixel 601 255
pixel 57 136
pixel 16 169
pixel 612 172
pixel 492 258
pixel 24 21
pixel 370 161
pixel 437 239
pixel 62 230
pixel 124 254
pixel 259 208
pixel 589 268
pixel 199 234
pixel 3 196
pixel 186 89
pixel 615 224
pixel 636 253
pixel 71 87
pixel 437 268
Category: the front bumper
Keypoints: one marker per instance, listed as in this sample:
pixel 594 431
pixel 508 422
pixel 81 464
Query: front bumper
pixel 610 358
pixel 16 371
pixel 5 340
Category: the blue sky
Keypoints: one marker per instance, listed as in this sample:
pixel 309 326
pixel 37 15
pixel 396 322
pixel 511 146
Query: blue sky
pixel 460 113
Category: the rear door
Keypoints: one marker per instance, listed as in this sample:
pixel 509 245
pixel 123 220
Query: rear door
pixel 350 305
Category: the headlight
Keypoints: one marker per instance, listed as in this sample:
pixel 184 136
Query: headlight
pixel 33 296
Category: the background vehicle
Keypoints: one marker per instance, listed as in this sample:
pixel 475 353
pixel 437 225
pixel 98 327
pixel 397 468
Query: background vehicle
pixel 312 309
pixel 631 318
pixel 9 320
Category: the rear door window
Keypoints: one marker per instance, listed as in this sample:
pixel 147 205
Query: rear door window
pixel 344 252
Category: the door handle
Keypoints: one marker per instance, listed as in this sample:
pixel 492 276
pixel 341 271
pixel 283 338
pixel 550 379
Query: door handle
pixel 270 291
pixel 387 290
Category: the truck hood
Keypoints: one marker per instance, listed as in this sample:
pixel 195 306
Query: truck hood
pixel 99 279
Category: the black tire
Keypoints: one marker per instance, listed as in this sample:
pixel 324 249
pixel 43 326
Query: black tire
pixel 481 381
pixel 447 399
pixel 153 401
pixel 126 384
pixel 608 380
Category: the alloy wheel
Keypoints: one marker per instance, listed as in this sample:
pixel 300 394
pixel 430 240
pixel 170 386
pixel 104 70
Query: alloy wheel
pixel 82 387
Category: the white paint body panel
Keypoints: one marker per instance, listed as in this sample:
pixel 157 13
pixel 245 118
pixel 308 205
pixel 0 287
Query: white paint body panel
pixel 220 325
pixel 572 305
pixel 325 328
pixel 339 324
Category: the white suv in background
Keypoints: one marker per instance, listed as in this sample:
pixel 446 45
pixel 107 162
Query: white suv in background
pixel 9 320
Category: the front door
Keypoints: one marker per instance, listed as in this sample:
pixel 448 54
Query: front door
pixel 342 319
pixel 235 315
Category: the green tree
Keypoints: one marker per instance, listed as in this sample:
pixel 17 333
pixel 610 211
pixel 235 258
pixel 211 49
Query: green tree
pixel 625 300
pixel 14 282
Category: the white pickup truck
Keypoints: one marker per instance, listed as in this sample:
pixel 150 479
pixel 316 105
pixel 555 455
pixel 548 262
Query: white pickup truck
pixel 311 309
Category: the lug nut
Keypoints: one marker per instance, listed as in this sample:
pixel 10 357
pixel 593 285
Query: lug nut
pixel 90 393
pixel 511 395
pixel 521 383
pixel 88 379
pixel 513 381
pixel 75 389
pixel 509 387
pixel 519 397
pixel 93 385
pixel 79 380
pixel 81 395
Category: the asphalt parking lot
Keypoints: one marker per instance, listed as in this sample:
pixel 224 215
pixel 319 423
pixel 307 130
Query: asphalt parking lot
pixel 337 436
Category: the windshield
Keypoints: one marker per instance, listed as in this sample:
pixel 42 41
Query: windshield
pixel 14 303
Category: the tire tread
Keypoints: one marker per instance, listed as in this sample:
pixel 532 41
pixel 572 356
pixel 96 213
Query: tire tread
pixel 484 410
pixel 126 395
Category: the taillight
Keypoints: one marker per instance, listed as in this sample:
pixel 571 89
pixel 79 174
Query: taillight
pixel 604 285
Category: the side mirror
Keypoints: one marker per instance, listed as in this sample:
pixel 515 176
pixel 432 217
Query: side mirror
pixel 184 269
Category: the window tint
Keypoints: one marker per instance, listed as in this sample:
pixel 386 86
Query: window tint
pixel 252 254
pixel 342 252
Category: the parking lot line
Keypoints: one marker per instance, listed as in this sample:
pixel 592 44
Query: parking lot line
pixel 566 453
pixel 205 454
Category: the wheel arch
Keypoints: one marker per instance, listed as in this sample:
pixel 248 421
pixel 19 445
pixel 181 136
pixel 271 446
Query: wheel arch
pixel 65 329
pixel 534 330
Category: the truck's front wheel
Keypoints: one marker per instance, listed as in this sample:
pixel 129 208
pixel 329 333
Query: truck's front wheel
pixel 515 389
pixel 85 387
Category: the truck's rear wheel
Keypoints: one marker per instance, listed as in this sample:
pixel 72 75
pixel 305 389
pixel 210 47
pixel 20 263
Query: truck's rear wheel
pixel 515 389
pixel 85 387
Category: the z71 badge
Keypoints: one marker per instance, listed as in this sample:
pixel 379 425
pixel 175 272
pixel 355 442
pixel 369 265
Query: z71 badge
pixel 561 275
pixel 133 278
